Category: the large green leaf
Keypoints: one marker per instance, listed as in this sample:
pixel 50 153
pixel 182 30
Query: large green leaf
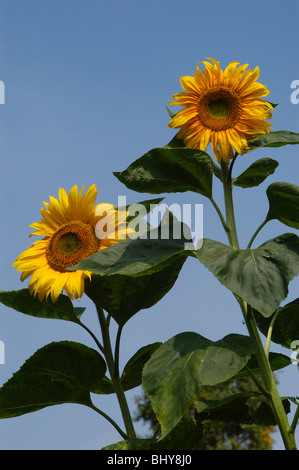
pixel 256 173
pixel 184 436
pixel 286 325
pixel 178 369
pixel 274 139
pixel 23 301
pixel 259 276
pixel 284 203
pixel 123 296
pixel 155 251
pixel 169 170
pixel 60 372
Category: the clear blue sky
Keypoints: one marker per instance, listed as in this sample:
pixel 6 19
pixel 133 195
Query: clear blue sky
pixel 86 83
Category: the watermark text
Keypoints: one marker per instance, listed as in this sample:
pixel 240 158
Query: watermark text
pixel 2 92
pixel 295 93
pixel 166 222
pixel 2 352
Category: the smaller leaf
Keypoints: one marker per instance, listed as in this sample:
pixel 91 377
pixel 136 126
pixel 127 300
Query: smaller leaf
pixel 22 301
pixel 232 409
pixel 147 206
pixel 175 143
pixel 132 373
pixel 169 170
pixel 184 436
pixel 286 325
pixel 277 361
pixel 284 203
pixel 236 409
pixel 256 173
pixel 274 139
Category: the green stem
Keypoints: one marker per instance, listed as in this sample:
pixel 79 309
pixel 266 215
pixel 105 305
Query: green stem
pixel 256 232
pixel 271 395
pixel 111 421
pixel 266 372
pixel 229 207
pixel 294 422
pixel 92 335
pixel 115 375
pixel 116 351
pixel 224 224
pixel 269 334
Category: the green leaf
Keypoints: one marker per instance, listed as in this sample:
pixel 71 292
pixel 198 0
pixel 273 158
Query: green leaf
pixel 286 325
pixel 155 251
pixel 132 373
pixel 284 203
pixel 103 386
pixel 123 296
pixel 170 112
pixel 256 173
pixel 169 170
pixel 238 408
pixel 147 206
pixel 277 361
pixel 259 276
pixel 175 143
pixel 22 301
pixel 274 139
pixel 184 436
pixel 60 372
pixel 178 369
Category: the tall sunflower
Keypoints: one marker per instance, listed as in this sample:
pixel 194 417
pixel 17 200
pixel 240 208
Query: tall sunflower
pixel 70 234
pixel 221 107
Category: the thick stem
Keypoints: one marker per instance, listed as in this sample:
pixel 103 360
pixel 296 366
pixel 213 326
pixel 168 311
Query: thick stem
pixel 270 385
pixel 229 207
pixel 114 375
pixel 271 395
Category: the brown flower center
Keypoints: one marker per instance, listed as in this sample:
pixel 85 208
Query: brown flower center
pixel 70 244
pixel 219 108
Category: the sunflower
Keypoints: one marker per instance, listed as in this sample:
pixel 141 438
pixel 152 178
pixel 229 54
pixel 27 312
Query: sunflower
pixel 221 107
pixel 72 228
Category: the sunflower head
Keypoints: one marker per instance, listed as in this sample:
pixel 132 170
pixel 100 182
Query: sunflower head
pixel 222 107
pixel 69 230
